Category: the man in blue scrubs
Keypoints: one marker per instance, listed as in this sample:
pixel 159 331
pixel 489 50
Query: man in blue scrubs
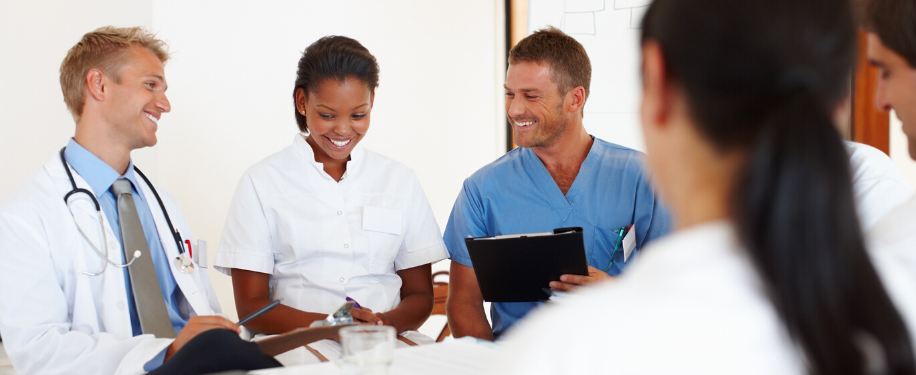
pixel 560 176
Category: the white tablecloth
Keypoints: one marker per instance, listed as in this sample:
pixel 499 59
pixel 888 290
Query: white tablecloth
pixel 461 356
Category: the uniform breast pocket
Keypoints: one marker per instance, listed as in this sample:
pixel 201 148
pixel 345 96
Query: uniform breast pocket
pixel 603 249
pixel 384 229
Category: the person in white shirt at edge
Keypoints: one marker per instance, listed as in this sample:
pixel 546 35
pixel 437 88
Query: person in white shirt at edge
pixel 878 186
pixel 63 308
pixel 767 272
pixel 892 49
pixel 325 219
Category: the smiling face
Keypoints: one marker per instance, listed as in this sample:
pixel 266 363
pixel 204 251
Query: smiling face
pixel 896 86
pixel 534 105
pixel 337 115
pixel 138 100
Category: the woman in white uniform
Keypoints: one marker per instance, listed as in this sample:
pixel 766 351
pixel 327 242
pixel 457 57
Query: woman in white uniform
pixel 767 272
pixel 325 219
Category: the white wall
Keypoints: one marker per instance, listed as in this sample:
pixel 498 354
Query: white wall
pixel 35 36
pixel 438 108
pixel 900 154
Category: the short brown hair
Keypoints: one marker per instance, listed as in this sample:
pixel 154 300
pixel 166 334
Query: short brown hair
pixel 895 23
pixel 105 49
pixel 569 64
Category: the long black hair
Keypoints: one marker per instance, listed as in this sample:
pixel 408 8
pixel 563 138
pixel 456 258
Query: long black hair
pixel 763 77
pixel 333 57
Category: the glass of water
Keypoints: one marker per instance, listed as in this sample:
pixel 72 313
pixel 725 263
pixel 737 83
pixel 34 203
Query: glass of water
pixel 367 349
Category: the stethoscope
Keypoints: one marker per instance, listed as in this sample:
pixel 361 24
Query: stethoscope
pixel 182 262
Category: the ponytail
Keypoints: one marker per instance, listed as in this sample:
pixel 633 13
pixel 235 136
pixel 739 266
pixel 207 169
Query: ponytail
pixel 794 211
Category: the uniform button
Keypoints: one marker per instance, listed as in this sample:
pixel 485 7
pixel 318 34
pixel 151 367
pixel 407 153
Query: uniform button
pixel 341 279
pixel 346 246
pixel 339 212
pixel 121 305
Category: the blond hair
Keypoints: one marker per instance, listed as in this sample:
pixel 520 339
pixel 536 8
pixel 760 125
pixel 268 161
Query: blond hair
pixel 105 49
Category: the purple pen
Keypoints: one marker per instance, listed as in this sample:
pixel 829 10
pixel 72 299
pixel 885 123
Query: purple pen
pixel 356 304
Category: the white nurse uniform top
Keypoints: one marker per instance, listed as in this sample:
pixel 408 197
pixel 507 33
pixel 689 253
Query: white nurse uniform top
pixel 322 240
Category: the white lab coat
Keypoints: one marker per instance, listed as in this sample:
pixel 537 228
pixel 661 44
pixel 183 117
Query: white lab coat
pixel 53 318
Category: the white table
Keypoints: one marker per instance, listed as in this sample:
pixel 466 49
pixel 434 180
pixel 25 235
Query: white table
pixel 461 356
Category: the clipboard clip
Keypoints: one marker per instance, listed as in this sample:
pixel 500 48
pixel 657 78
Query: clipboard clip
pixel 567 230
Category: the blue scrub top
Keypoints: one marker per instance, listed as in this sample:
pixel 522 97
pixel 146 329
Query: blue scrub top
pixel 516 194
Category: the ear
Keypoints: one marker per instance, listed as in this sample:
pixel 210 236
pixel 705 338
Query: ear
pixel 372 99
pixel 96 83
pixel 301 101
pixel 576 99
pixel 658 93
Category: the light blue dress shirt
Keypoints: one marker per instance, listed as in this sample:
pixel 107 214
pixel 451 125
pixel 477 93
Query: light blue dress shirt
pixel 516 194
pixel 100 176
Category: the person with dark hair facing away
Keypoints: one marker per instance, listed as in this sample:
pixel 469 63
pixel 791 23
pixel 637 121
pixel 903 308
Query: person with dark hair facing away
pixel 560 176
pixel 767 271
pixel 95 278
pixel 325 220
pixel 892 49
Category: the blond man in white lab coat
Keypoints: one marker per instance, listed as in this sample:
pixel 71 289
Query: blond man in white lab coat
pixel 64 307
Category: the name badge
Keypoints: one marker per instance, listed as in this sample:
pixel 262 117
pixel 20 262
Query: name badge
pixel 629 242
pixel 199 254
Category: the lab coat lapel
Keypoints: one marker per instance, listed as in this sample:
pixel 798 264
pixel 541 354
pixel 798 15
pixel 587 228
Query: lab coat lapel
pixel 87 218
pixel 186 281
pixel 105 289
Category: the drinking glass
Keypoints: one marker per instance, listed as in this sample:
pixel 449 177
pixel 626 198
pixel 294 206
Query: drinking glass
pixel 367 349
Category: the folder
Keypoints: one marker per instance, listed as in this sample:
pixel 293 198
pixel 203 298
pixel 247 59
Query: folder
pixel 519 268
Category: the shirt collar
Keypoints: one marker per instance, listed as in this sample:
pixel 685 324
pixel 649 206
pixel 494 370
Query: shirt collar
pixel 96 172
pixel 356 156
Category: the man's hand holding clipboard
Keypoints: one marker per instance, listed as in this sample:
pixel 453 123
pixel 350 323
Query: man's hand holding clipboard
pixel 626 241
pixel 570 282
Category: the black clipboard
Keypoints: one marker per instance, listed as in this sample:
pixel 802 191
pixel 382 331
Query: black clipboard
pixel 519 268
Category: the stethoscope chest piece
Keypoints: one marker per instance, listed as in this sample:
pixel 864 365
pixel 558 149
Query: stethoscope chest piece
pixel 183 264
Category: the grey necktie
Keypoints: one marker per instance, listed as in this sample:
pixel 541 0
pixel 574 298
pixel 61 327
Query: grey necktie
pixel 154 317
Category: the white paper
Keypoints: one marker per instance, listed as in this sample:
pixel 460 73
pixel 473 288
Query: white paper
pixel 579 23
pixel 611 39
pixel 637 16
pixel 629 243
pixel 580 6
pixel 380 219
pixel 621 4
pixel 501 236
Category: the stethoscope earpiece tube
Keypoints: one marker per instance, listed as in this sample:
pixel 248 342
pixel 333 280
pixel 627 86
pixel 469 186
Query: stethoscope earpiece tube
pixel 182 263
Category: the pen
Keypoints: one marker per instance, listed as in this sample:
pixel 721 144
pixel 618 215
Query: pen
pixel 355 304
pixel 259 312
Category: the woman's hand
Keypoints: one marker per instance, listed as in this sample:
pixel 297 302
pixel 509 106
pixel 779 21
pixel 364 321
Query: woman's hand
pixel 365 315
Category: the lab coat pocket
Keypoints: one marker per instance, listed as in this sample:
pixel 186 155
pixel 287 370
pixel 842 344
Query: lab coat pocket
pixel 383 227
